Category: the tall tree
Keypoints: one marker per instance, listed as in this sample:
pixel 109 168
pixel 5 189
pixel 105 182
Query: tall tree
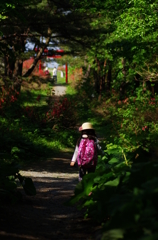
pixel 54 21
pixel 117 38
pixel 126 38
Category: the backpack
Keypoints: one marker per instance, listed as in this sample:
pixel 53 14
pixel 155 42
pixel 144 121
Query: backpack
pixel 87 153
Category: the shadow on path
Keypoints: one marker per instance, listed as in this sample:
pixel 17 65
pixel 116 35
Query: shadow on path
pixel 45 216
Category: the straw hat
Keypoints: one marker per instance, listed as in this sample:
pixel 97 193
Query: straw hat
pixel 86 126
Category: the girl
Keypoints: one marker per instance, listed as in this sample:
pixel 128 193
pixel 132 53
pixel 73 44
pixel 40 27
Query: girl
pixel 88 137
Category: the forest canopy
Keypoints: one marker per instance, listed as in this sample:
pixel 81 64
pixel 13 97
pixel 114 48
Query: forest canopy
pixel 113 45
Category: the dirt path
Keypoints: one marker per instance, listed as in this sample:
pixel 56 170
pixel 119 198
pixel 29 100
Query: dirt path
pixel 59 89
pixel 45 216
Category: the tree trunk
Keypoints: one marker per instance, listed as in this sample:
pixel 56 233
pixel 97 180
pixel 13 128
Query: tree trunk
pixel 18 68
pixel 13 63
pixel 109 78
pixel 39 54
pixel 100 77
pixel 123 83
pixel 103 83
pixel 9 66
pixel 97 84
pixel 87 71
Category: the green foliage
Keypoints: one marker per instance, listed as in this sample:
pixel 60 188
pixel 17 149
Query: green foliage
pixel 124 195
pixel 61 113
pixel 134 121
pixel 26 136
pixel 29 136
pixel 120 36
pixel 10 179
pixel 28 185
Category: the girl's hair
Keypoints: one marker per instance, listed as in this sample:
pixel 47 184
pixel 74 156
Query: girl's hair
pixel 89 132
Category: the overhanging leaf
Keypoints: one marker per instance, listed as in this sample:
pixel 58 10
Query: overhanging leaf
pixel 29 187
pixel 113 234
pixel 113 183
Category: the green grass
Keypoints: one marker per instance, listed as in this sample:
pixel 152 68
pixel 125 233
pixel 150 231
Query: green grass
pixel 29 98
pixel 60 80
pixel 70 90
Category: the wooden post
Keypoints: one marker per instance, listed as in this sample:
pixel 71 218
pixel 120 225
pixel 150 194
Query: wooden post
pixel 40 65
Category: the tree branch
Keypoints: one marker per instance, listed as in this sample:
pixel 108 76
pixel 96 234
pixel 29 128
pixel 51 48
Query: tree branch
pixel 39 54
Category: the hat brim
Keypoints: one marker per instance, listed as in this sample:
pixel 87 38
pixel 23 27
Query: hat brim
pixel 88 128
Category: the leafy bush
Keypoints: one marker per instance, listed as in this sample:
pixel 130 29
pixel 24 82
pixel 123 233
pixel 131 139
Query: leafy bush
pixel 27 134
pixel 10 178
pixel 121 195
pixel 132 122
pixel 62 113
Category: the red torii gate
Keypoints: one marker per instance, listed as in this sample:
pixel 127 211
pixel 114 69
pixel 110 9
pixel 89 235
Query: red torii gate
pixel 46 51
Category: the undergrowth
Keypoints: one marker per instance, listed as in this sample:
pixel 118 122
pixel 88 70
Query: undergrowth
pixel 121 196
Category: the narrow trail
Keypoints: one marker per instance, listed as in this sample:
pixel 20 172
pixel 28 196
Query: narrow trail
pixel 59 89
pixel 44 216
